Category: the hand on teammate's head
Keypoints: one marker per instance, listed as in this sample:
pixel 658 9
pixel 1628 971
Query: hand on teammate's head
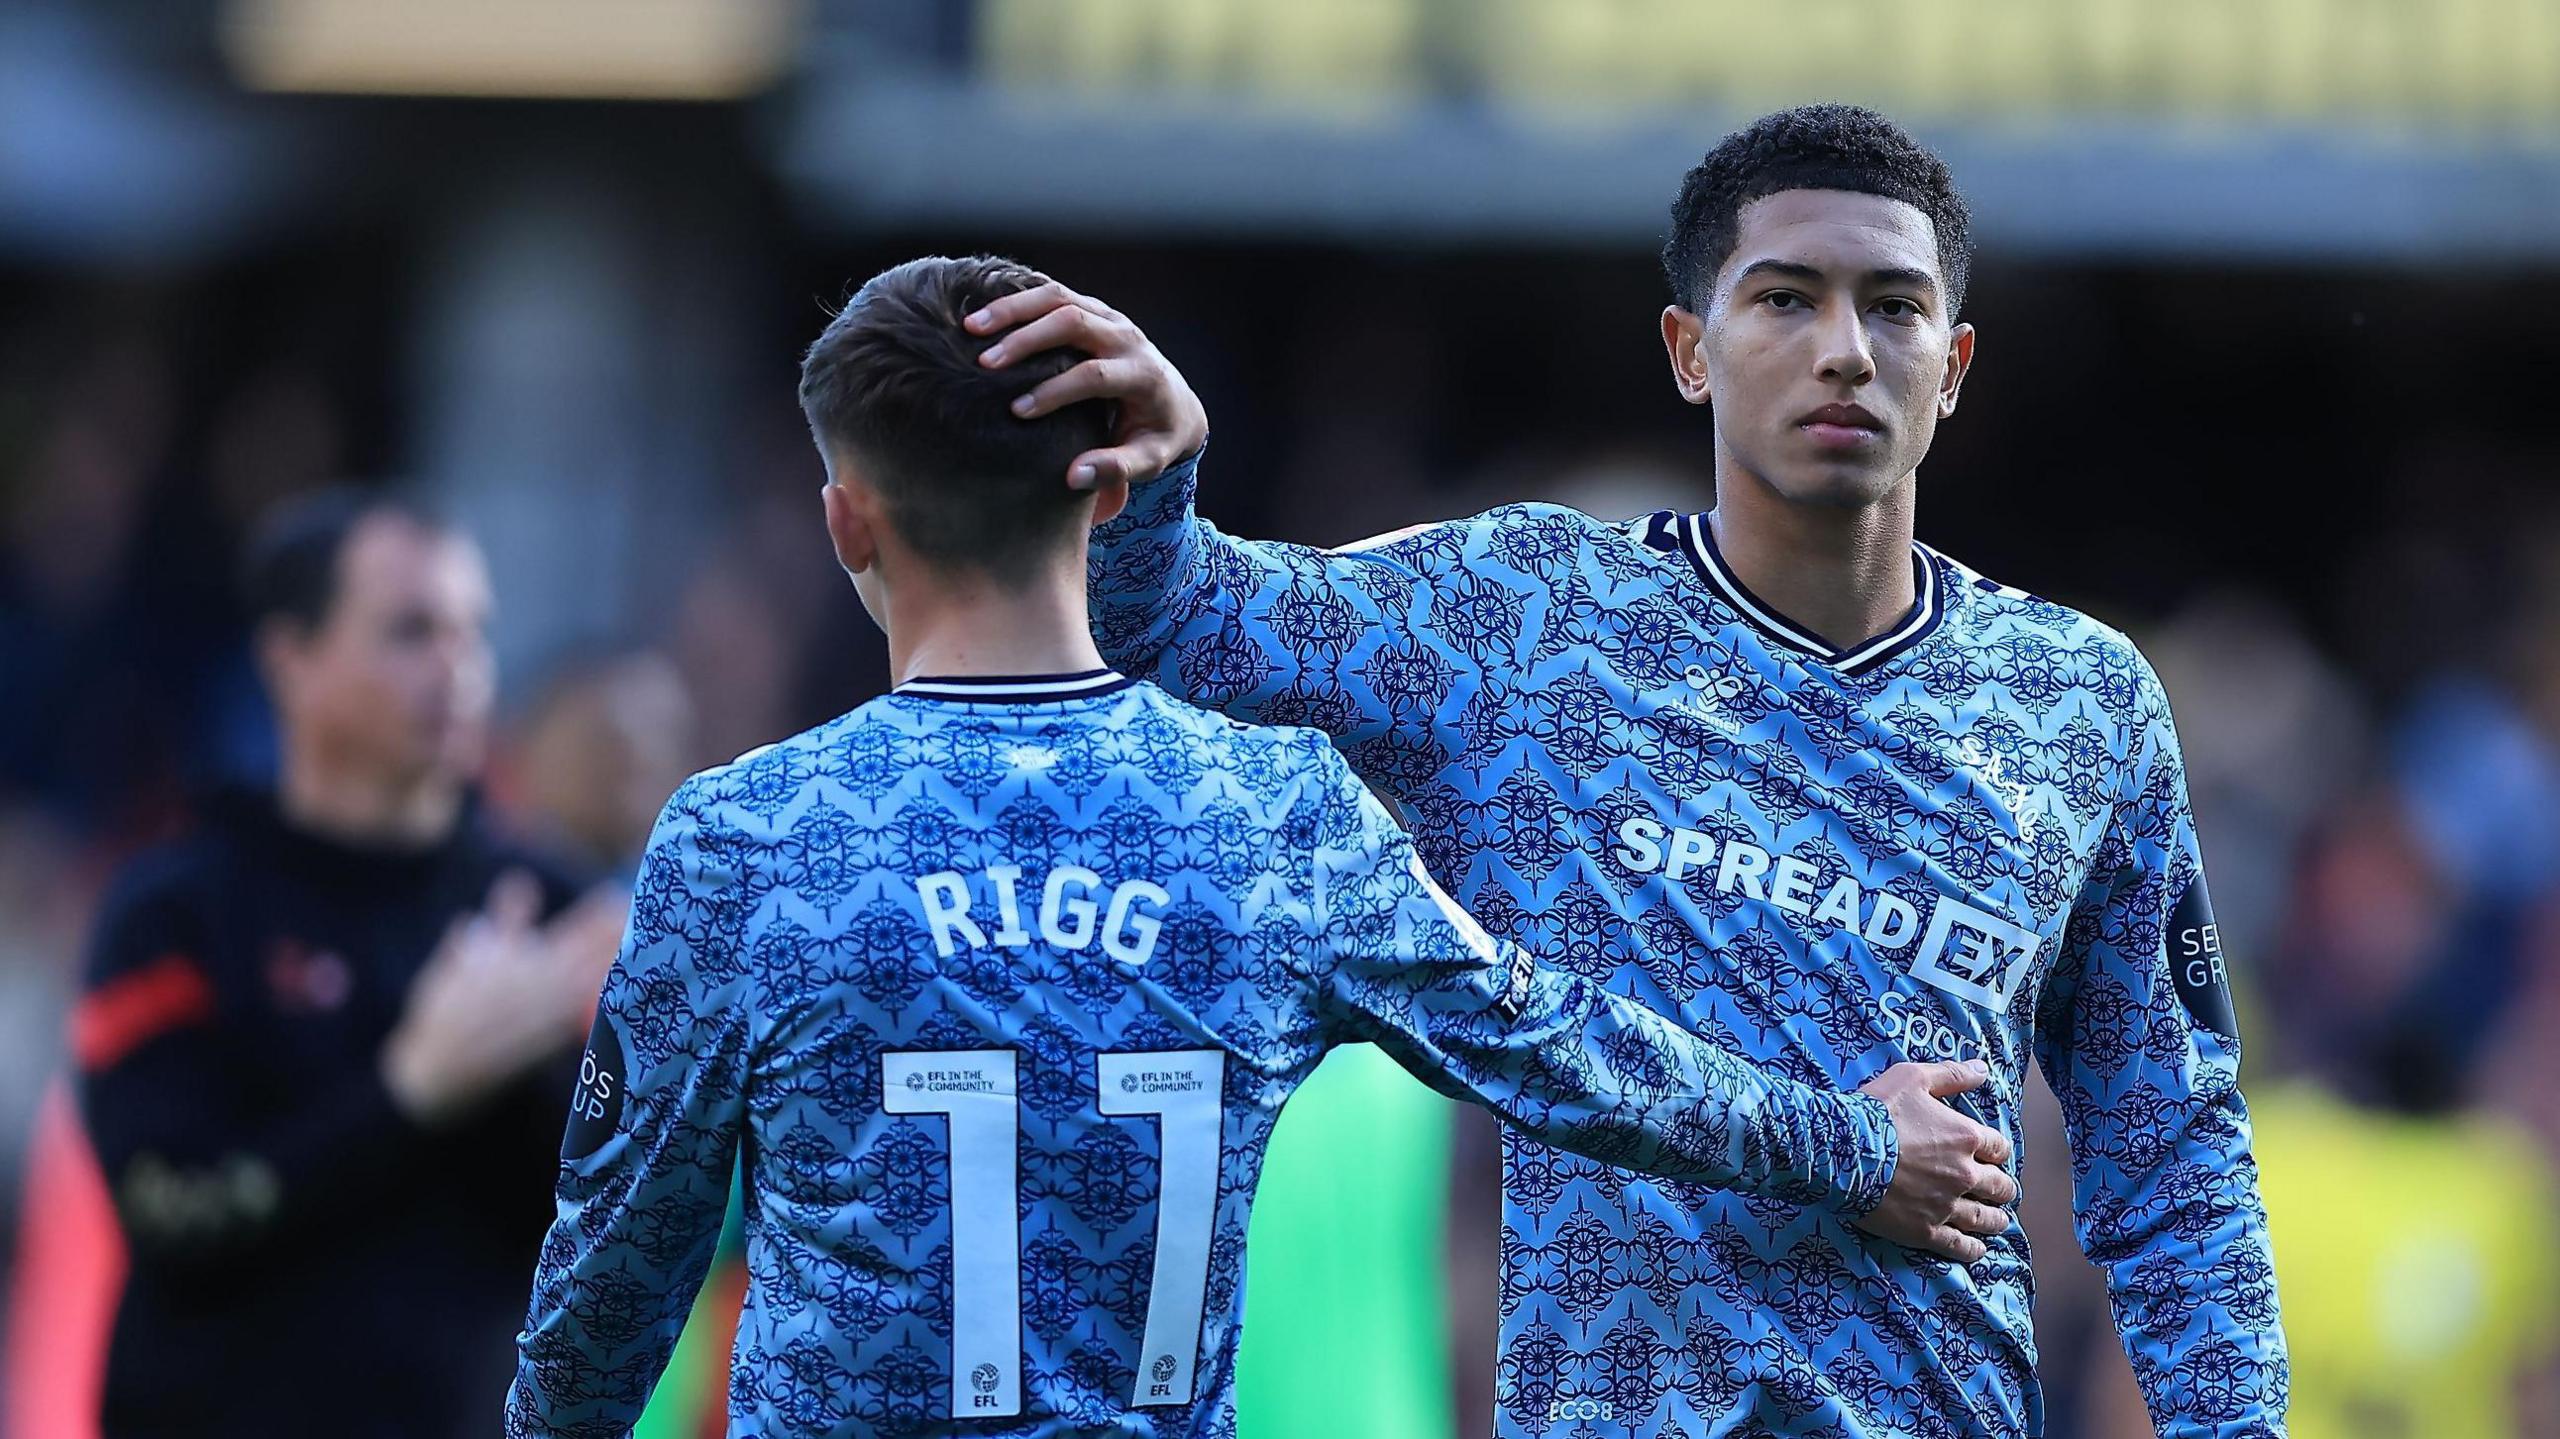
pixel 1159 419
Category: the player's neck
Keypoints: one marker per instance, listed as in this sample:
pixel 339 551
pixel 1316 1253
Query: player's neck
pixel 944 627
pixel 1843 573
pixel 320 795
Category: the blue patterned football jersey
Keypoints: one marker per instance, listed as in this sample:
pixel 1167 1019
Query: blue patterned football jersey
pixel 1965 839
pixel 997 988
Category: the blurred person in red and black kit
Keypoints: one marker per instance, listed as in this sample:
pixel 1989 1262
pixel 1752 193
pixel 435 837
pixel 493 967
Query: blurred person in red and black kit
pixel 318 1035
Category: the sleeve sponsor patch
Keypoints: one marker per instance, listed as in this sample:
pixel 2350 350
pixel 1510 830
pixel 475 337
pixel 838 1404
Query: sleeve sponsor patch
pixel 2195 960
pixel 596 1106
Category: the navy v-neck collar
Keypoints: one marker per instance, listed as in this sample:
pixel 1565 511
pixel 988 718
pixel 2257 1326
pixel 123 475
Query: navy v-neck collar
pixel 1696 538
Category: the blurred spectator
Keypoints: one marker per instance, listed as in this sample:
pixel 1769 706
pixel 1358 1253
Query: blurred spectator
pixel 2273 736
pixel 606 744
pixel 75 627
pixel 313 1040
pixel 2415 1240
pixel 734 643
pixel 2420 1268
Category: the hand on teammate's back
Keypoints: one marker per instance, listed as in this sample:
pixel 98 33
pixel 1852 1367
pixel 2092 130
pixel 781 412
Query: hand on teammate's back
pixel 501 994
pixel 1948 1185
pixel 1160 420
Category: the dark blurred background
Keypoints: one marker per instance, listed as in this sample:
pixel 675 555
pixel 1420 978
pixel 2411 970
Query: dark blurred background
pixel 2267 294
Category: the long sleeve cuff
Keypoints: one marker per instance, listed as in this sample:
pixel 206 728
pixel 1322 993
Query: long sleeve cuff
pixel 1835 1151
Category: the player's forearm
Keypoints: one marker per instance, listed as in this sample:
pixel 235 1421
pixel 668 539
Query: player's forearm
pixel 2192 1284
pixel 2220 1381
pixel 1734 1125
pixel 551 1368
pixel 563 1391
pixel 607 1309
pixel 2200 1323
pixel 1557 1056
pixel 1147 572
pixel 1599 1075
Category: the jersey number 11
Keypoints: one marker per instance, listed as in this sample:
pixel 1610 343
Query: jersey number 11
pixel 974 1089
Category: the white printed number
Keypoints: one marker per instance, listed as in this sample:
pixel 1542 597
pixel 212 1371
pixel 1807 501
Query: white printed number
pixel 974 1089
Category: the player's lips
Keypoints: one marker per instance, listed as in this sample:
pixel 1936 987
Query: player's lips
pixel 1841 427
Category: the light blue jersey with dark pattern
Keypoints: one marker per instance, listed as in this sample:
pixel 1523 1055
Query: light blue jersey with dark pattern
pixel 997 988
pixel 1967 838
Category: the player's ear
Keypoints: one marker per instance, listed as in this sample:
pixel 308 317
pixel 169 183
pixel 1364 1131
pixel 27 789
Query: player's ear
pixel 1959 361
pixel 1684 340
pixel 853 532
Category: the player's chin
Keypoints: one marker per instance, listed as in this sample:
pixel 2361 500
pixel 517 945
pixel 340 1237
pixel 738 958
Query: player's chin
pixel 1837 483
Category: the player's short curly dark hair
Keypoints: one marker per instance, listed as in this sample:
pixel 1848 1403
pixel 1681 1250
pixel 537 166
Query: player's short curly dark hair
pixel 1811 147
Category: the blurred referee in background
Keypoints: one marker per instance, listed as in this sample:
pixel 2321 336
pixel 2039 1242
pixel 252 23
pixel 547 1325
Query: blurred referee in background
pixel 317 1036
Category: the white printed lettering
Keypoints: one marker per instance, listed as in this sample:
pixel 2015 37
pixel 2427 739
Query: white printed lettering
pixel 1689 850
pixel 1129 936
pixel 1742 862
pixel 1893 923
pixel 1840 906
pixel 1081 911
pixel 1791 886
pixel 946 908
pixel 1640 844
pixel 1008 906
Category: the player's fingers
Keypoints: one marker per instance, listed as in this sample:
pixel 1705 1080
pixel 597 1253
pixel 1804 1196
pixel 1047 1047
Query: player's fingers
pixel 1102 379
pixel 515 901
pixel 1945 1078
pixel 1974 1217
pixel 599 905
pixel 1994 1148
pixel 451 949
pixel 1121 462
pixel 1066 326
pixel 588 935
pixel 1044 302
pixel 1993 1185
pixel 1007 311
pixel 1955 1244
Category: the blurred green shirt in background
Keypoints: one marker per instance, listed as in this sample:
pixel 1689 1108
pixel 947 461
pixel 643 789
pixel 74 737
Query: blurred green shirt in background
pixel 1346 1324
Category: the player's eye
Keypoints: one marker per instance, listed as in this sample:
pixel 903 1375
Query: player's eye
pixel 1784 300
pixel 1899 307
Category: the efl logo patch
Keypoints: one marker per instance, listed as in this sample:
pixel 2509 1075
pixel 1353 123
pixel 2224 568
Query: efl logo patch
pixel 1975 956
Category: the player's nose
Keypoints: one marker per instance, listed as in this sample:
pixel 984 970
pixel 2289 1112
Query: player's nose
pixel 1843 355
